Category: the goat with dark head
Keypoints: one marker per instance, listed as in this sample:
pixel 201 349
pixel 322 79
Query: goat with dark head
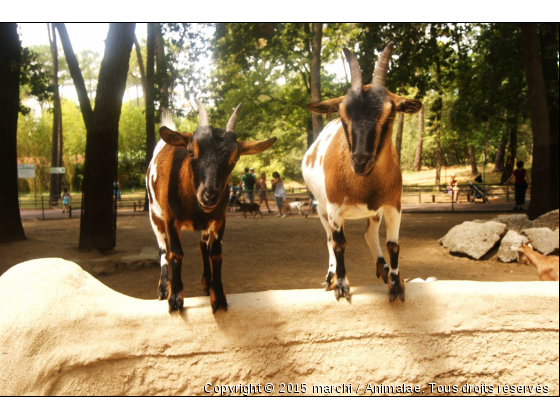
pixel 187 183
pixel 354 173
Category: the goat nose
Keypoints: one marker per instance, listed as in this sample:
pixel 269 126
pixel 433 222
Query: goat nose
pixel 360 161
pixel 210 196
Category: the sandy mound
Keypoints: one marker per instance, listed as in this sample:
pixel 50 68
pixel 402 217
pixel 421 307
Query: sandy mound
pixel 64 333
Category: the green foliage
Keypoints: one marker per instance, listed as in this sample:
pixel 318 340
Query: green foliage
pixel 35 78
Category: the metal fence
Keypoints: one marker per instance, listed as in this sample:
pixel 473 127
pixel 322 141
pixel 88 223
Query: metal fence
pixel 47 207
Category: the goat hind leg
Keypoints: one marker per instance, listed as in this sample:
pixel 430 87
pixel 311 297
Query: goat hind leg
pixel 158 227
pixel 175 298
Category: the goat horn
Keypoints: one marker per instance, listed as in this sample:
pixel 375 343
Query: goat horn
pixel 203 120
pixel 355 70
pixel 380 72
pixel 233 119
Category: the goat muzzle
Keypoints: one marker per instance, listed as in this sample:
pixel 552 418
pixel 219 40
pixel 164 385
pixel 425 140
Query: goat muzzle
pixel 362 164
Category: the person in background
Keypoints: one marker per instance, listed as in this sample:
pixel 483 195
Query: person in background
pixel 312 203
pixel 521 185
pixel 65 201
pixel 453 189
pixel 117 189
pixel 261 189
pixel 233 191
pixel 279 194
pixel 248 181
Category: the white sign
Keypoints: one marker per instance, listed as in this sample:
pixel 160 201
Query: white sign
pixel 26 171
pixel 59 170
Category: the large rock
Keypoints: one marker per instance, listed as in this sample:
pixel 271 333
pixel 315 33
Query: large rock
pixel 543 239
pixel 512 238
pixel 64 333
pixel 548 220
pixel 474 239
pixel 517 222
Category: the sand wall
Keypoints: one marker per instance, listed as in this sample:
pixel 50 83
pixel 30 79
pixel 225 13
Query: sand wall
pixel 64 333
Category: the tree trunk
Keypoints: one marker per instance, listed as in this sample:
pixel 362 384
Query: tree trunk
pixel 472 159
pixel 398 139
pixel 438 104
pixel 310 138
pixel 501 153
pixel 317 37
pixel 542 192
pixel 161 67
pixel 149 94
pixel 141 68
pixel 11 228
pixel 77 77
pixel 57 142
pixel 419 144
pixel 549 52
pixel 511 155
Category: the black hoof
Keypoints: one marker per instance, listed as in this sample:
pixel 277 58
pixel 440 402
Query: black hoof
pixel 396 289
pixel 329 284
pixel 342 289
pixel 163 291
pixel 176 302
pixel 220 303
pixel 382 270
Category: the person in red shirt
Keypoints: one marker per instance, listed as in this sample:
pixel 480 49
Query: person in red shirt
pixel 521 184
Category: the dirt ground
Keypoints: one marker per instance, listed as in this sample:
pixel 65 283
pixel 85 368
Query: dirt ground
pixel 269 253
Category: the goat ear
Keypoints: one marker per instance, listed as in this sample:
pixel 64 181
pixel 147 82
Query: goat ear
pixel 173 138
pixel 326 107
pixel 408 106
pixel 254 147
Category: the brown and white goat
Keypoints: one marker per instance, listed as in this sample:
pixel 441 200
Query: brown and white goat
pixel 187 183
pixel 547 265
pixel 354 172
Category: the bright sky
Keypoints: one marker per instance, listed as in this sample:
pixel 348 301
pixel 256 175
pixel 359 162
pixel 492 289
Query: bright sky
pixel 84 36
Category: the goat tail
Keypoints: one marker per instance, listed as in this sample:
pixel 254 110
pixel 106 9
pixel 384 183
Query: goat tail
pixel 167 119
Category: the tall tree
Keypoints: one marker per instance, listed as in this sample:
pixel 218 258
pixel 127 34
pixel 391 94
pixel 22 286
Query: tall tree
pixel 501 153
pixel 57 136
pixel 472 159
pixel 548 36
pixel 11 228
pixel 543 197
pixel 315 79
pixel 161 67
pixel 97 228
pixel 419 143
pixel 149 94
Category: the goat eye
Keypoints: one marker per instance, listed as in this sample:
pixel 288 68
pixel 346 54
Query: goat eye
pixel 190 153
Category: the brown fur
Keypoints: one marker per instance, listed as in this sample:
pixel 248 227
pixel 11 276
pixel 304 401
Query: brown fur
pixel 175 192
pixel 382 187
pixel 310 161
pixel 547 265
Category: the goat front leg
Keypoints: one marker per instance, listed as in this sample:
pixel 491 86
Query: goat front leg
pixel 217 296
pixel 393 224
pixel 205 255
pixel 158 225
pixel 336 223
pixel 372 239
pixel 329 278
pixel 175 260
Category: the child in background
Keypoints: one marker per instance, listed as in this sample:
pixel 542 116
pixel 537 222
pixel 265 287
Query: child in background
pixel 65 201
pixel 521 184
pixel 279 194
